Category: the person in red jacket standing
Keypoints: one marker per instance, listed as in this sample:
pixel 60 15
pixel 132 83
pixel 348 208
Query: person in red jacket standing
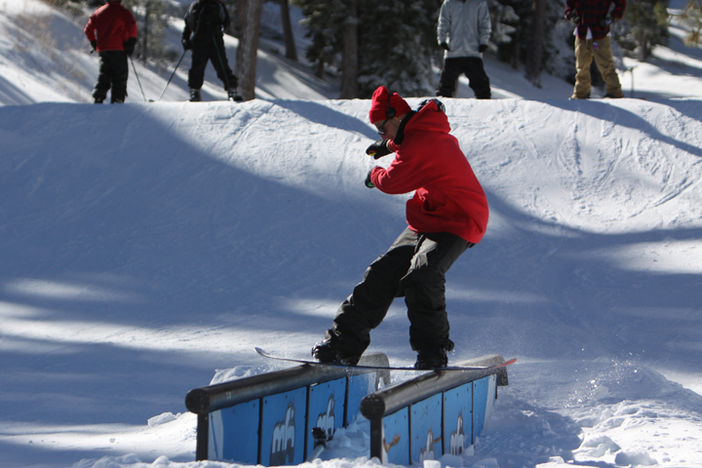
pixel 112 32
pixel 593 19
pixel 447 215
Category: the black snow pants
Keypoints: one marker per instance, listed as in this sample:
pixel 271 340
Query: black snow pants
pixel 113 73
pixel 475 72
pixel 210 48
pixel 413 267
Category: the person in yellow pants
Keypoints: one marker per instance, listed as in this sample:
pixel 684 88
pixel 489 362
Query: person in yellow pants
pixel 592 41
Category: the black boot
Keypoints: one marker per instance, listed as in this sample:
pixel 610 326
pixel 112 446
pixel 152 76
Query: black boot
pixel 233 96
pixel 195 95
pixel 433 358
pixel 331 351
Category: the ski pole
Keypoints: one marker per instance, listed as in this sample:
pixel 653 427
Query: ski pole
pixel 172 75
pixel 137 77
pixel 221 64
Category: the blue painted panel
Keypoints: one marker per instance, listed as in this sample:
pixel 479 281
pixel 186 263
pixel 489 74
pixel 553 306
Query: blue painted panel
pixel 426 430
pixel 233 434
pixel 326 408
pixel 458 419
pixel 359 387
pixel 283 434
pixel 396 439
pixel 480 402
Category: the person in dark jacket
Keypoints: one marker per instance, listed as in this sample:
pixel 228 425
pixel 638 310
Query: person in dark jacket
pixel 463 32
pixel 112 32
pixel 447 214
pixel 593 19
pixel 205 22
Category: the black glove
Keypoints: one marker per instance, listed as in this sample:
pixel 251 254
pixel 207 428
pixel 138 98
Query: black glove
pixel 482 48
pixel 129 46
pixel 378 149
pixel 369 182
pixel 93 44
pixel 444 45
pixel 187 45
pixel 604 22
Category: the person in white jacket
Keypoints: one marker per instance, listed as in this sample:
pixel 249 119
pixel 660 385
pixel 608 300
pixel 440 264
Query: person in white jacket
pixel 463 32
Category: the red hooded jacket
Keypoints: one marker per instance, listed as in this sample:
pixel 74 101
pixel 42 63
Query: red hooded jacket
pixel 448 196
pixel 113 24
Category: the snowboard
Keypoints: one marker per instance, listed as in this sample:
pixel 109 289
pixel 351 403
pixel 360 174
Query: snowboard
pixel 310 362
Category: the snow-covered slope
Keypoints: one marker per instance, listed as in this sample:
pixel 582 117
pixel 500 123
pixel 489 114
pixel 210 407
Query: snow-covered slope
pixel 146 245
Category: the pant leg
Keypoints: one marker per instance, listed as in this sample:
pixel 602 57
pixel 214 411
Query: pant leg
pixel 608 70
pixel 449 77
pixel 120 75
pixel 219 60
pixel 367 306
pixel 104 80
pixel 478 80
pixel 425 292
pixel 200 56
pixel 583 59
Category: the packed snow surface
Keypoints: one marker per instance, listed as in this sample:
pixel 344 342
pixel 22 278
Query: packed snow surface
pixel 145 249
pixel 145 246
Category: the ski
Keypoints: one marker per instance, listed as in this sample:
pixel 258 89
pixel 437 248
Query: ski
pixel 310 362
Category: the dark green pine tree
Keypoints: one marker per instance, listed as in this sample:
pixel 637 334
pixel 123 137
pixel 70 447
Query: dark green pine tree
pixel 691 17
pixel 559 57
pixel 323 20
pixel 505 31
pixel 152 23
pixel 397 41
pixel 514 27
pixel 645 26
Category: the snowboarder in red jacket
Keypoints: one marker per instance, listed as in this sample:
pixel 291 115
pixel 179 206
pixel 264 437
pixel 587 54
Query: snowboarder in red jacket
pixel 112 32
pixel 447 215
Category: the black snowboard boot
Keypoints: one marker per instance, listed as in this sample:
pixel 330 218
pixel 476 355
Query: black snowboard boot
pixel 233 96
pixel 330 351
pixel 195 95
pixel 433 358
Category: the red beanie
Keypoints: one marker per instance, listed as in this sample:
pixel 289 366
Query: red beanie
pixel 379 105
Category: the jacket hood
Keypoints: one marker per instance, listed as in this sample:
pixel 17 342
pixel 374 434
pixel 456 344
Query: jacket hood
pixel 429 117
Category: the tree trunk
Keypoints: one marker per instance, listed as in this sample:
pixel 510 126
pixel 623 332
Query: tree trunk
pixel 249 27
pixel 290 50
pixel 319 68
pixel 349 71
pixel 145 49
pixel 536 51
